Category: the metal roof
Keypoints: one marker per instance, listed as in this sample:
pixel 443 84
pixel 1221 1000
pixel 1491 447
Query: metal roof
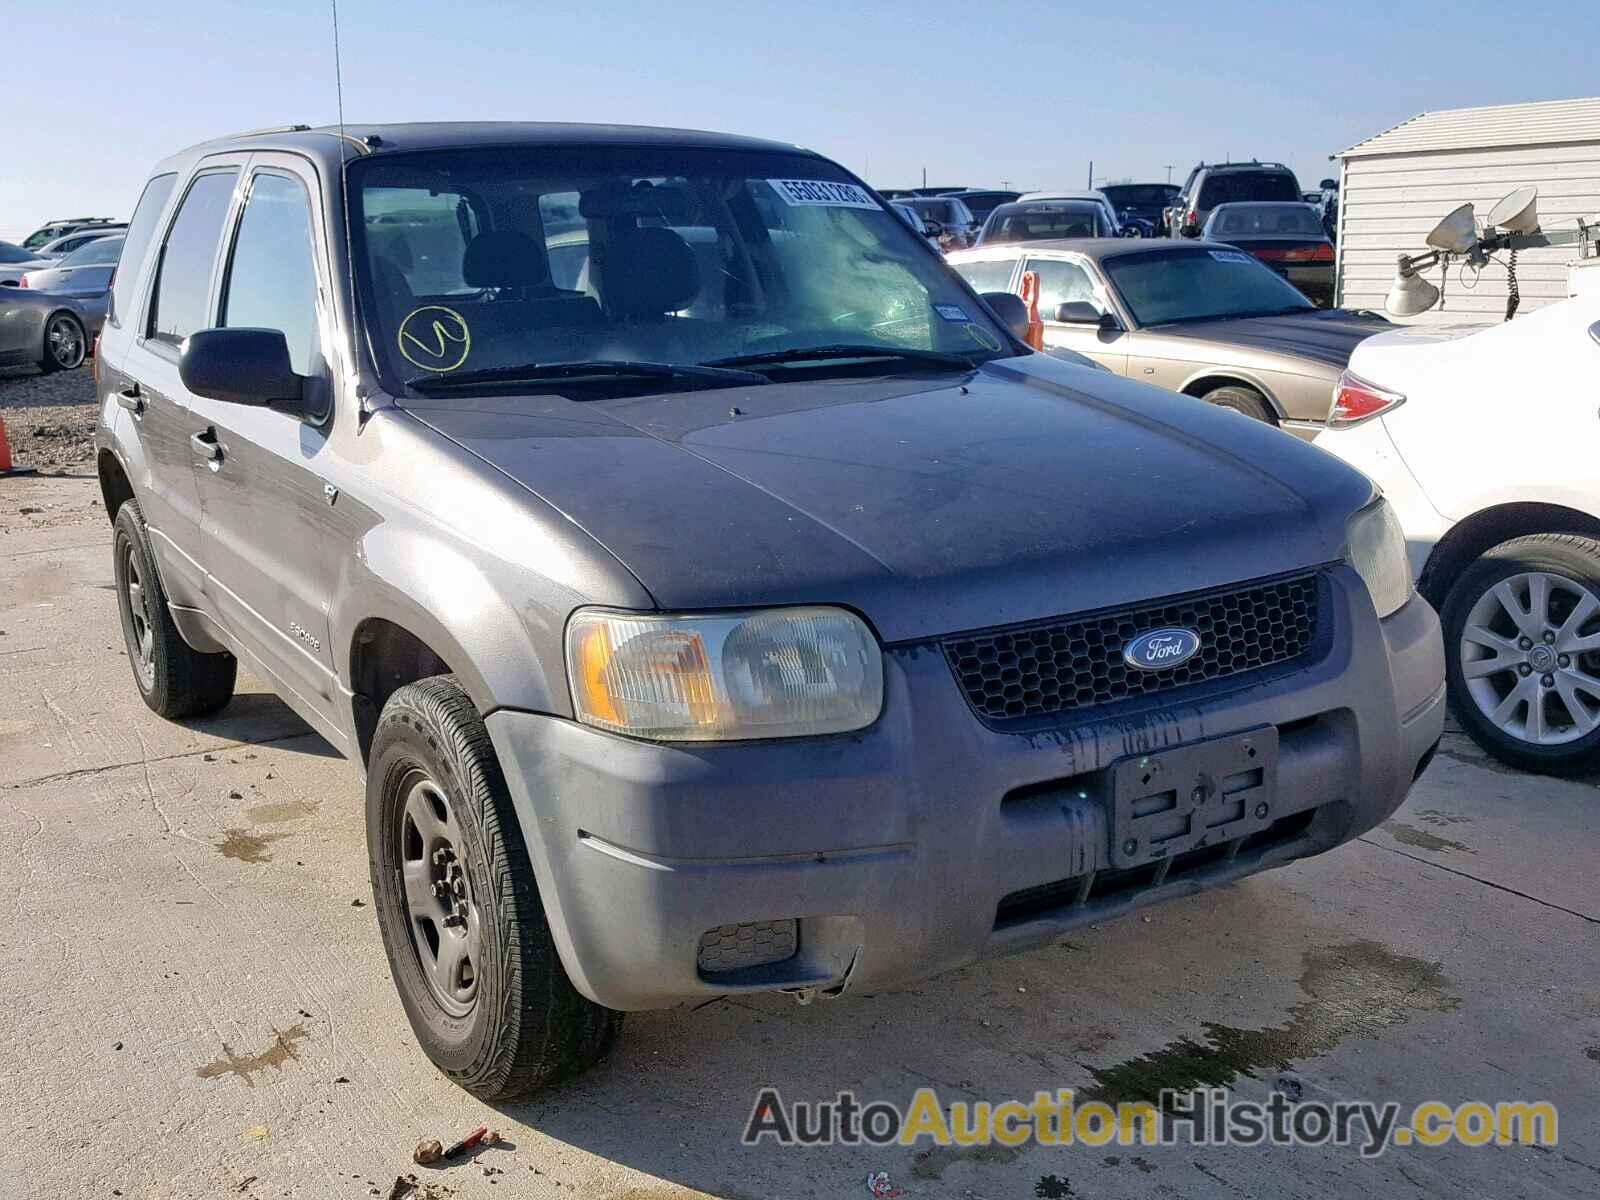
pixel 1540 123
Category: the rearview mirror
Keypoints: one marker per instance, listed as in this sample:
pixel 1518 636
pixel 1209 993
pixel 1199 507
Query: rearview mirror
pixel 242 366
pixel 1013 313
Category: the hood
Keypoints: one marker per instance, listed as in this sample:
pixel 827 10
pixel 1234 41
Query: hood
pixel 1032 488
pixel 1325 336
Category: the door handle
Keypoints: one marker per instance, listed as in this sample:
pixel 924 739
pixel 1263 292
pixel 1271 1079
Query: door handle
pixel 205 445
pixel 130 399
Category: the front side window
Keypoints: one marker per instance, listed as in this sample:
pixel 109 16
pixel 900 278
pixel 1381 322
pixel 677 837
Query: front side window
pixel 1199 285
pixel 136 241
pixel 1061 282
pixel 272 278
pixel 493 260
pixel 183 279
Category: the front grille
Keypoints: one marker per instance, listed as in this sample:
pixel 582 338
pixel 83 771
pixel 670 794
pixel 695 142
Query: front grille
pixel 1056 666
pixel 735 947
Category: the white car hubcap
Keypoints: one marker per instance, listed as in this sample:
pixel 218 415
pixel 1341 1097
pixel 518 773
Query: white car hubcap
pixel 1530 656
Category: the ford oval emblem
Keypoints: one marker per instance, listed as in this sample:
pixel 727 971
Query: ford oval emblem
pixel 1160 649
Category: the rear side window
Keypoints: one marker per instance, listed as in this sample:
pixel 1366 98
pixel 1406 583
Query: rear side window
pixel 1059 283
pixel 272 278
pixel 135 242
pixel 183 278
pixel 987 276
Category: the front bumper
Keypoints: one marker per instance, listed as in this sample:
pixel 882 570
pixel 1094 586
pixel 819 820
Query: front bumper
pixel 931 840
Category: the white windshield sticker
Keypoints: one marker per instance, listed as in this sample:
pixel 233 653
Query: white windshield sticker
pixel 951 312
pixel 1230 256
pixel 819 193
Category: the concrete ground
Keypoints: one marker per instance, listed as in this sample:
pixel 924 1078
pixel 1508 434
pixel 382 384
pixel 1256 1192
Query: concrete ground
pixel 195 1002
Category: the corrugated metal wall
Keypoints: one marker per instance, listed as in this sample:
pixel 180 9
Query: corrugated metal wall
pixel 1390 202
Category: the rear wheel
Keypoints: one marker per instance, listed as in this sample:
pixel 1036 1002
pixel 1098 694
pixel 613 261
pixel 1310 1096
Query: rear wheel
pixel 1242 400
pixel 463 925
pixel 175 680
pixel 65 343
pixel 1522 648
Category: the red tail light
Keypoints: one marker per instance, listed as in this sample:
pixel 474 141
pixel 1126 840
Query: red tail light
pixel 1295 254
pixel 1355 400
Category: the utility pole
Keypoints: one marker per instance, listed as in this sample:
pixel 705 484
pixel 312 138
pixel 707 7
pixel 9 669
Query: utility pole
pixel 1091 173
pixel 1169 172
pixel 924 176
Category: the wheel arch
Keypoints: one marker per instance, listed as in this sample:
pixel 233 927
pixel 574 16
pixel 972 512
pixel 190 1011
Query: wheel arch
pixel 384 657
pixel 115 487
pixel 1483 530
pixel 1211 379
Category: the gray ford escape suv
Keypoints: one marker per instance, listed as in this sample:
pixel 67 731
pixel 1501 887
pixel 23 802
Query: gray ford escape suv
pixel 719 596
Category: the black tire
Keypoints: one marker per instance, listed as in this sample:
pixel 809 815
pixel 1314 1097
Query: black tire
pixel 1571 557
pixel 174 679
pixel 512 1022
pixel 1242 400
pixel 61 354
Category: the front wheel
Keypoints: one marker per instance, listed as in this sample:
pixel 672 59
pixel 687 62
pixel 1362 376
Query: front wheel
pixel 1522 651
pixel 1242 400
pixel 469 947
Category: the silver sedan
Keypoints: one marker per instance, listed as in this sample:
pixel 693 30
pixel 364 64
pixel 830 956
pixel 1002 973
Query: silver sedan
pixel 46 328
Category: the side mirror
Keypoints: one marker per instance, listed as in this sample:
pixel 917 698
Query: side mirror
pixel 1013 313
pixel 1081 312
pixel 1328 184
pixel 243 366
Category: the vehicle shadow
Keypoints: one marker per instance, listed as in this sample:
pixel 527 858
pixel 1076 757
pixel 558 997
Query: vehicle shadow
pixel 680 1089
pixel 256 717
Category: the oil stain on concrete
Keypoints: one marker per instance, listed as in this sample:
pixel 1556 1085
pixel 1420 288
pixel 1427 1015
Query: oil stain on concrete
pixel 246 846
pixel 1437 816
pixel 1354 990
pixel 247 1066
pixel 930 1164
pixel 276 813
pixel 1410 835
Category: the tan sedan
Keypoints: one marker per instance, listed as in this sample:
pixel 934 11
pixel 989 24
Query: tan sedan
pixel 1201 318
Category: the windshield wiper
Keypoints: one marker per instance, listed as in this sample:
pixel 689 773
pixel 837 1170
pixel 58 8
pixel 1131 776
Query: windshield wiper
pixel 598 368
pixel 932 358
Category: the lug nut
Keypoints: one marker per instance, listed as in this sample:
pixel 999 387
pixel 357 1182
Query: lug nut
pixel 1563 660
pixel 1525 643
pixel 1548 680
pixel 1549 637
pixel 1524 669
pixel 1131 846
pixel 1198 795
pixel 1261 811
pixel 454 920
pixel 438 890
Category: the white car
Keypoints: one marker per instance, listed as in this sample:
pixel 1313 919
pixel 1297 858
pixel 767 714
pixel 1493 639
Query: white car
pixel 1487 444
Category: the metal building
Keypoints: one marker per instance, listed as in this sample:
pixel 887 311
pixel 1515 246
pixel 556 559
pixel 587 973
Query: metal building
pixel 1395 186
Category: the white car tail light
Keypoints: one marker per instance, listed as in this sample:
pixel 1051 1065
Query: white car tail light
pixel 1355 400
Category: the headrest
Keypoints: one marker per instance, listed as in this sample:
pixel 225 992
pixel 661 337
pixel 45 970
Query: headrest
pixel 504 258
pixel 649 272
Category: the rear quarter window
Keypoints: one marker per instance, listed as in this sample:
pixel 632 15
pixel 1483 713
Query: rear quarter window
pixel 136 242
pixel 179 306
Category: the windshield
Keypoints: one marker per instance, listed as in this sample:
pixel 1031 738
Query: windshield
pixel 492 259
pixel 1140 195
pixel 102 252
pixel 14 254
pixel 1198 285
pixel 1241 220
pixel 1038 222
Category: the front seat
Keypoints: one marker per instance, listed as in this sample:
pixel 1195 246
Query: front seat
pixel 514 265
pixel 648 273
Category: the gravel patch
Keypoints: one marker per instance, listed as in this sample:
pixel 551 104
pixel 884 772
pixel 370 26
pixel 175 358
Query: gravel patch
pixel 49 418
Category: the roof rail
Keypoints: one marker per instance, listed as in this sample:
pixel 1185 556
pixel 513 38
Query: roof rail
pixel 265 129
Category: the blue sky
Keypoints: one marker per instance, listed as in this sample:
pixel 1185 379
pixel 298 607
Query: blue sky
pixel 978 93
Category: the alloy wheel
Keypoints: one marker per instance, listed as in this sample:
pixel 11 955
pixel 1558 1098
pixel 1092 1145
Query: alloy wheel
pixel 141 634
pixel 445 922
pixel 1530 657
pixel 64 340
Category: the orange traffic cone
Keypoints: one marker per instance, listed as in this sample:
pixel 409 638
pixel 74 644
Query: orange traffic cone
pixel 1030 297
pixel 6 468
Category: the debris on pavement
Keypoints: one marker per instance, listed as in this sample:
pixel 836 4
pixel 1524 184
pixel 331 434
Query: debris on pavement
pixel 481 1133
pixel 427 1152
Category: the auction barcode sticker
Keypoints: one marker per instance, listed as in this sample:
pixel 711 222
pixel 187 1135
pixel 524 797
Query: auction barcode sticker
pixel 820 193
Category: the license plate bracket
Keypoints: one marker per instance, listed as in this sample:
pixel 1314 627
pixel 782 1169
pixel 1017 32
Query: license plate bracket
pixel 1193 796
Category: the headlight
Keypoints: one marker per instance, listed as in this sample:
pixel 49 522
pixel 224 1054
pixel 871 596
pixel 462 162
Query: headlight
pixel 1378 553
pixel 784 672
